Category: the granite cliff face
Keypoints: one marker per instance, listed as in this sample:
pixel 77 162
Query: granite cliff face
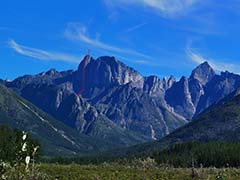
pixel 117 101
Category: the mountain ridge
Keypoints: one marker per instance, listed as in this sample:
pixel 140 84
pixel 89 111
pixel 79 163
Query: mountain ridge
pixel 147 106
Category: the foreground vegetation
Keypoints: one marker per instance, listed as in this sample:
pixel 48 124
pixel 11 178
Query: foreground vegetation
pixel 18 153
pixel 185 155
pixel 211 154
pixel 16 144
pixel 120 172
pixel 194 160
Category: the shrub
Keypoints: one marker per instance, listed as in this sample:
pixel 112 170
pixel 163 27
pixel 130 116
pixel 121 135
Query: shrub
pixel 17 155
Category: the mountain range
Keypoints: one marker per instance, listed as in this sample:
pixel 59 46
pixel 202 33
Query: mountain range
pixel 218 123
pixel 119 105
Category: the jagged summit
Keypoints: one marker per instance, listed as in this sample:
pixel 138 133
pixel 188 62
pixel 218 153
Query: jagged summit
pixel 183 79
pixel 108 59
pixel 203 73
pixel 51 72
pixel 107 70
pixel 205 63
pixel 86 60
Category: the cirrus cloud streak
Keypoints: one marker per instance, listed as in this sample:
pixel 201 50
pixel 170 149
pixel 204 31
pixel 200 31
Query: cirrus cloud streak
pixel 165 7
pixel 79 32
pixel 43 54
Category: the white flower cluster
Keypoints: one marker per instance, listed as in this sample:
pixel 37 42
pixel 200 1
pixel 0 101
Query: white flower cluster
pixel 24 136
pixel 24 149
pixel 24 158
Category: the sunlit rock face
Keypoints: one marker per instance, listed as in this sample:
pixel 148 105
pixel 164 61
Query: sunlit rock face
pixel 203 73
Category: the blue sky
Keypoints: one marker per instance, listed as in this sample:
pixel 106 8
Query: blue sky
pixel 161 37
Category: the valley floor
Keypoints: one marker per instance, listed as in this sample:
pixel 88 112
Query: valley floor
pixel 120 172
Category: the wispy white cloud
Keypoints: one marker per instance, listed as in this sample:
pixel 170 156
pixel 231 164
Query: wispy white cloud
pixel 215 64
pixel 79 32
pixel 165 7
pixel 136 27
pixel 139 61
pixel 42 54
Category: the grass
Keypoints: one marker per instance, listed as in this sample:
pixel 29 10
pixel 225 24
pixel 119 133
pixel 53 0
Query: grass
pixel 121 172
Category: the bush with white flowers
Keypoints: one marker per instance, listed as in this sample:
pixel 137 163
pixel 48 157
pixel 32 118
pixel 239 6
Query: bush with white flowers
pixel 20 163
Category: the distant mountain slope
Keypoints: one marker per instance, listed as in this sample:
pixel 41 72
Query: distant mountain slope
pixel 220 122
pixel 56 137
pixel 64 104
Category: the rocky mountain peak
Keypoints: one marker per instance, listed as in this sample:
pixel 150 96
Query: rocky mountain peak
pixel 228 74
pixel 168 82
pixel 108 70
pixel 51 72
pixel 152 79
pixel 153 85
pixel 183 79
pixel 109 60
pixel 203 73
pixel 86 60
